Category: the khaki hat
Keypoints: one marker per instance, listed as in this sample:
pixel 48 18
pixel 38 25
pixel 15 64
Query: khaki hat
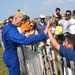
pixel 21 14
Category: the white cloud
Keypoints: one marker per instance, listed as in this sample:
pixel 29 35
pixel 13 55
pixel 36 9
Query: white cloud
pixel 49 3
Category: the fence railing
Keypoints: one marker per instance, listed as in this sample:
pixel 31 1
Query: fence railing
pixel 33 62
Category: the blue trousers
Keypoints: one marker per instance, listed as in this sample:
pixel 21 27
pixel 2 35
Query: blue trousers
pixel 12 64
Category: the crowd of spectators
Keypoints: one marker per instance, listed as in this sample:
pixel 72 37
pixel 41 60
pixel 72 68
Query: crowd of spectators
pixel 60 27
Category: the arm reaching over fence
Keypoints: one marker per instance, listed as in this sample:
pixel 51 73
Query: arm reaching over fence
pixel 66 50
pixel 52 39
pixel 12 38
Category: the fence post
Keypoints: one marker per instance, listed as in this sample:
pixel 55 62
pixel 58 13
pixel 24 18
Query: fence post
pixel 60 66
pixel 72 67
pixel 55 69
pixel 45 60
pixel 50 59
pixel 65 66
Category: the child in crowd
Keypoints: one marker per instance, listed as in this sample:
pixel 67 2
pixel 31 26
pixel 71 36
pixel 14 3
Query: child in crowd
pixel 66 50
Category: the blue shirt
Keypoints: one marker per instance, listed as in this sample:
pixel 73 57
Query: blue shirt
pixel 11 39
pixel 41 28
pixel 68 53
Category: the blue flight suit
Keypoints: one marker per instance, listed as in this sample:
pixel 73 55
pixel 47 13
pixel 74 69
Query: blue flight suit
pixel 11 39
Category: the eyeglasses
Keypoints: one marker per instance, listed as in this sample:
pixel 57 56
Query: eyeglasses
pixel 67 14
pixel 32 26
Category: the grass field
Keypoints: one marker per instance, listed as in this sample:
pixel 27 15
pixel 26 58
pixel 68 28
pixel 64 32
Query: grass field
pixel 3 68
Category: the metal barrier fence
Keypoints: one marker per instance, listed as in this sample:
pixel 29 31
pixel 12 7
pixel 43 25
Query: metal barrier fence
pixel 33 62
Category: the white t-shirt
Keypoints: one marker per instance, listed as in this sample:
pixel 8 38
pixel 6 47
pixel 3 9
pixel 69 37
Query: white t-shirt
pixel 71 22
pixel 66 24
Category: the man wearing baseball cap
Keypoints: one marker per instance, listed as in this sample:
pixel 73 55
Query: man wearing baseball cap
pixel 41 25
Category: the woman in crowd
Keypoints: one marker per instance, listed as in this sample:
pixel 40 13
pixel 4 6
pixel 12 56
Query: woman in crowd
pixel 32 29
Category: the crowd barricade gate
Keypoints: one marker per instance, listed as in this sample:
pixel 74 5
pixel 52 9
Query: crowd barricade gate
pixel 32 62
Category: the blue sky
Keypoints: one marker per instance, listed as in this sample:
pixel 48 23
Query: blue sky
pixel 34 7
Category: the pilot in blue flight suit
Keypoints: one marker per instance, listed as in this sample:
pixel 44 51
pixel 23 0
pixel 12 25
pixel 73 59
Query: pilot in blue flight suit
pixel 12 38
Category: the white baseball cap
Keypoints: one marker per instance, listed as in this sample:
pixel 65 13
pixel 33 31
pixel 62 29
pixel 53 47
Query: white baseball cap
pixel 72 29
pixel 42 16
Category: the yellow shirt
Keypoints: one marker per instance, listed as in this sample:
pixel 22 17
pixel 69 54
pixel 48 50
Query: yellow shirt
pixel 58 30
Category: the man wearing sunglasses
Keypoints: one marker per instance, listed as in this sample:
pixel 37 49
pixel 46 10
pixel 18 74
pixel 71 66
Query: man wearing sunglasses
pixel 67 22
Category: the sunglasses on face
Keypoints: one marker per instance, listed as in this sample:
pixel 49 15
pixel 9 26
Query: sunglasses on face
pixel 32 26
pixel 67 14
pixel 42 18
